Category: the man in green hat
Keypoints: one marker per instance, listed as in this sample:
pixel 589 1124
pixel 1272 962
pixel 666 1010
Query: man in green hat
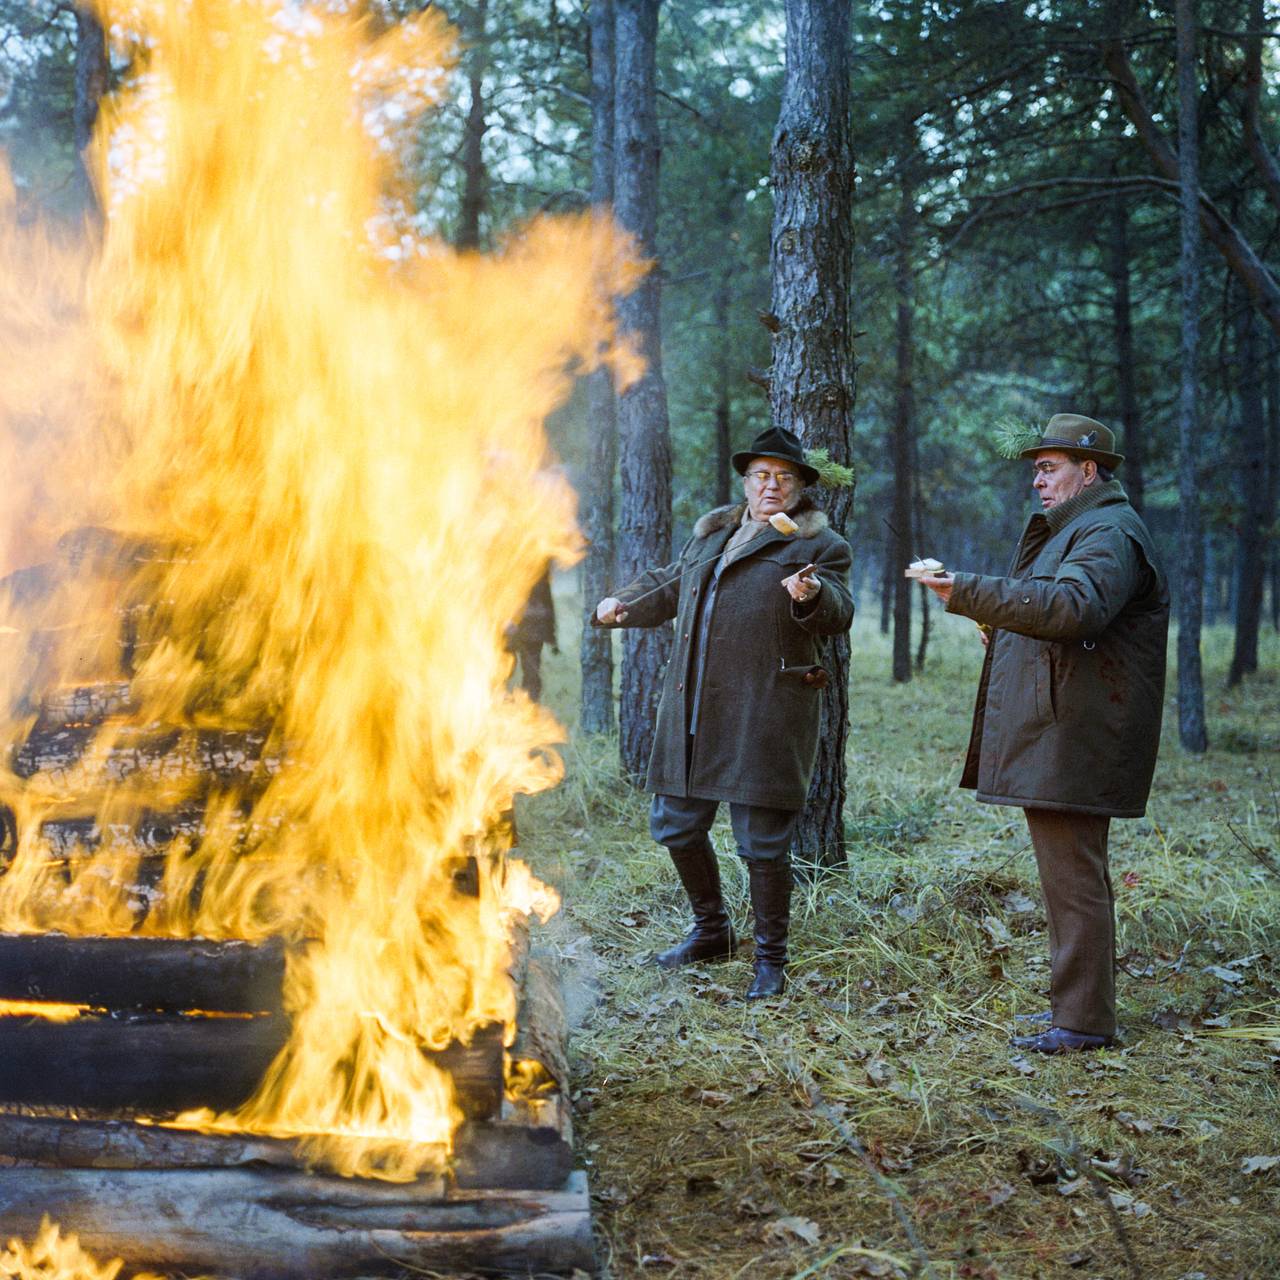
pixel 1067 721
pixel 756 590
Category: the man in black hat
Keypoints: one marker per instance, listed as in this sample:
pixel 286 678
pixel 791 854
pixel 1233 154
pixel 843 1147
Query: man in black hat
pixel 1067 722
pixel 754 593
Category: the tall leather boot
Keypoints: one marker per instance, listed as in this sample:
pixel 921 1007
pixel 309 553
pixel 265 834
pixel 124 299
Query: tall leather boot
pixel 771 904
pixel 712 936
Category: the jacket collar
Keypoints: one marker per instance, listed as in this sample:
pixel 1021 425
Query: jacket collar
pixel 1096 495
pixel 806 515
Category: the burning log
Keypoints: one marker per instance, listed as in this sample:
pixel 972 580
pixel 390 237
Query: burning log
pixel 272 1224
pixel 163 1064
pixel 143 973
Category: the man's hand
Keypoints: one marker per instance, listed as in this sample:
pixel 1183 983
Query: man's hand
pixel 803 586
pixel 940 584
pixel 611 611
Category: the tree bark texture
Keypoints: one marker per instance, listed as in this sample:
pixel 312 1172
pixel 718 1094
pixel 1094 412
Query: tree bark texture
pixel 1191 718
pixel 598 572
pixel 92 76
pixel 1243 262
pixel 1273 470
pixel 901 440
pixel 475 179
pixel 1118 262
pixel 644 525
pixel 274 1224
pixel 1251 540
pixel 812 382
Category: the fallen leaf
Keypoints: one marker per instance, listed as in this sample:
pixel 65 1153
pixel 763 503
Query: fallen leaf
pixel 1070 1188
pixel 998 932
pixel 1016 903
pixel 1127 1120
pixel 657 1260
pixel 713 1098
pixel 1222 973
pixel 1258 1164
pixel 781 1229
pixel 879 1072
pixel 1000 1194
pixel 1020 1064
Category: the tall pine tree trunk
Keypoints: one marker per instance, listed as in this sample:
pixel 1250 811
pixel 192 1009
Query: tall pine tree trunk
pixel 902 443
pixel 598 577
pixel 1273 471
pixel 1191 720
pixel 92 75
pixel 475 179
pixel 723 303
pixel 1131 443
pixel 1250 535
pixel 812 378
pixel 644 526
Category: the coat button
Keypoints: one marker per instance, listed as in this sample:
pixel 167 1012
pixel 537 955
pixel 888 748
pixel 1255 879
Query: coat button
pixel 680 685
pixel 1026 599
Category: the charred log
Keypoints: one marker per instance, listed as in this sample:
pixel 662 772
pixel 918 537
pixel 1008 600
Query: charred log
pixel 277 1224
pixel 143 973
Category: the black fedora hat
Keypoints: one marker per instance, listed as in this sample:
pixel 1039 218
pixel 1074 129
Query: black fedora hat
pixel 776 442
pixel 1074 433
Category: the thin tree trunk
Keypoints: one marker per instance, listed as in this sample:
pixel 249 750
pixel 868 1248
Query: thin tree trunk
pixel 1273 471
pixel 901 442
pixel 1251 540
pixel 723 305
pixel 1239 255
pixel 596 656
pixel 918 528
pixel 475 179
pixel 1191 718
pixel 886 584
pixel 644 436
pixel 1263 160
pixel 1126 389
pixel 92 75
pixel 812 383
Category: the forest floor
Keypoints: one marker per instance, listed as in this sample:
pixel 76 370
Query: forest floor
pixel 874 1121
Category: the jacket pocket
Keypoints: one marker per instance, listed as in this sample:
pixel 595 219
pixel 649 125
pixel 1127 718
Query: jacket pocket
pixel 1046 702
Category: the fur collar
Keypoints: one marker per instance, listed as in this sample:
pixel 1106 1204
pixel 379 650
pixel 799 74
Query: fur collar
pixel 806 515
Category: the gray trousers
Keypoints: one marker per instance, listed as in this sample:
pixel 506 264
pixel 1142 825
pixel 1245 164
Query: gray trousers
pixel 682 822
pixel 1071 853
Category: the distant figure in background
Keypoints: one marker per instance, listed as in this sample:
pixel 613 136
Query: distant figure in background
pixel 754 595
pixel 1067 722
pixel 535 627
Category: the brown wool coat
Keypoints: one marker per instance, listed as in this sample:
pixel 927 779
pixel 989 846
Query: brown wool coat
pixel 757 720
pixel 1072 688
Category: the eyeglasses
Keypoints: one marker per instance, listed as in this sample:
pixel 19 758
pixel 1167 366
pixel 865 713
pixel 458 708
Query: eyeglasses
pixel 1047 468
pixel 783 479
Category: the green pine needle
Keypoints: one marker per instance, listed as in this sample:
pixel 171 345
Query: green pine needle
pixel 831 475
pixel 1011 437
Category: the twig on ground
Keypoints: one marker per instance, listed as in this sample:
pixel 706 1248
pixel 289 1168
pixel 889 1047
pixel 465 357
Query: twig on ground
pixel 1072 1151
pixel 801 1077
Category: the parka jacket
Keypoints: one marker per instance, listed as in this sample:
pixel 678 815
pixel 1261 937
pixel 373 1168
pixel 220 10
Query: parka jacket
pixel 1072 688
pixel 737 675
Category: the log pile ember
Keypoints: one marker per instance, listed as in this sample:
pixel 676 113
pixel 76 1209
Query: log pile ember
pixel 278 483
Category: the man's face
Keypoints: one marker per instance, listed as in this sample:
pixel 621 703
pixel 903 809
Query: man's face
pixel 1058 476
pixel 770 485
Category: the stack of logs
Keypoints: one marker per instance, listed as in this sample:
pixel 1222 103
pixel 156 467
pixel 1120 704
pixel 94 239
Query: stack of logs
pixel 146 1028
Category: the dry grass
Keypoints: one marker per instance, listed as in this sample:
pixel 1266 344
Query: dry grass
pixel 875 1121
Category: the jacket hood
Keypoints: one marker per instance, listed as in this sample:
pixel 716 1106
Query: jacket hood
pixel 811 521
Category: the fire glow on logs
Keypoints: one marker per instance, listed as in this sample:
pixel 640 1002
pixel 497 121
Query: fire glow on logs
pixel 279 488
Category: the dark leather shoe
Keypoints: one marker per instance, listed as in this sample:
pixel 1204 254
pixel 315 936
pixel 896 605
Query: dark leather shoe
pixel 1060 1040
pixel 1045 1016
pixel 769 980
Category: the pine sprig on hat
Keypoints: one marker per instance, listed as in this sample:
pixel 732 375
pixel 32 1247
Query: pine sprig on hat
pixel 831 475
pixel 1011 437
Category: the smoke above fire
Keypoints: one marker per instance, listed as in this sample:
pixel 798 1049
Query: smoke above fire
pixel 277 469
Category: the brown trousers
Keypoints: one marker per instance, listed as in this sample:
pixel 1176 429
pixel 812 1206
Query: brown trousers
pixel 1071 853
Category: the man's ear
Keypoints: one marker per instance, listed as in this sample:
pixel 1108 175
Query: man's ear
pixel 1090 469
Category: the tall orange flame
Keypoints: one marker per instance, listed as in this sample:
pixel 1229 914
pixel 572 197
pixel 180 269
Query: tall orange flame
pixel 316 443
